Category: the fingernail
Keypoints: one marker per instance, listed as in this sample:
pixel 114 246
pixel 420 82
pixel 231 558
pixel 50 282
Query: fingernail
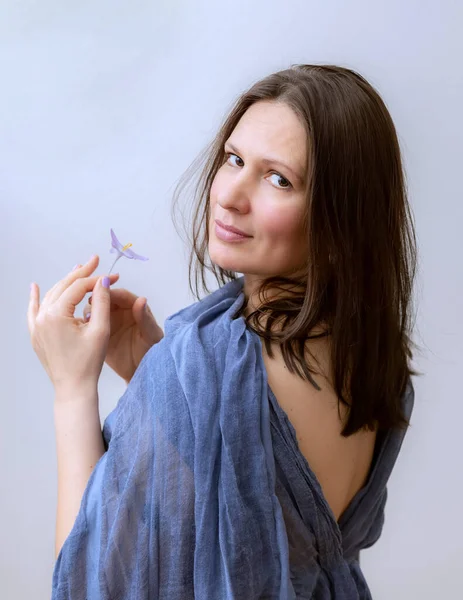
pixel 32 286
pixel 87 316
pixel 106 282
pixel 75 267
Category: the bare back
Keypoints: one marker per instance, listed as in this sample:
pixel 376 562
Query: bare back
pixel 340 464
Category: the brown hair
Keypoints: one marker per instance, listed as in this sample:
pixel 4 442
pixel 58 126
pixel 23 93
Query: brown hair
pixel 361 258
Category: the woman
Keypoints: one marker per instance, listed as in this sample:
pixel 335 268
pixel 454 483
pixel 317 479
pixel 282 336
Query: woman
pixel 233 468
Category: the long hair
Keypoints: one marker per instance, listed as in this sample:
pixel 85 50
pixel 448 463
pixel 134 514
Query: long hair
pixel 361 259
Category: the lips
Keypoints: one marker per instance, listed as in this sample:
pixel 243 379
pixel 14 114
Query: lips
pixel 232 229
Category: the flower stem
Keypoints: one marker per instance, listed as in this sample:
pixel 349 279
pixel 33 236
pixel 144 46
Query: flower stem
pixel 112 266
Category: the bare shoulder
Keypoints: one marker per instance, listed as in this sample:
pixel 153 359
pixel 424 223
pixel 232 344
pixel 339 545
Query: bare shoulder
pixel 340 464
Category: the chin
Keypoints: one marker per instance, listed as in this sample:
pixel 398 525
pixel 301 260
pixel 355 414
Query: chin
pixel 227 258
pixel 225 261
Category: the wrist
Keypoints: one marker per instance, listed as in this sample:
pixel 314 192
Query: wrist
pixel 76 393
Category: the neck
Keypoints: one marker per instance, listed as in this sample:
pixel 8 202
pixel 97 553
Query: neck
pixel 251 287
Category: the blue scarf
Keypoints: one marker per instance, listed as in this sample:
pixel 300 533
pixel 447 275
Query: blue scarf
pixel 190 499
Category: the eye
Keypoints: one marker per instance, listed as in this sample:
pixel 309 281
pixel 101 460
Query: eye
pixel 286 185
pixel 228 155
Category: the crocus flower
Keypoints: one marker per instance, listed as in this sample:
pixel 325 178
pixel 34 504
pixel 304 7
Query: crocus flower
pixel 122 251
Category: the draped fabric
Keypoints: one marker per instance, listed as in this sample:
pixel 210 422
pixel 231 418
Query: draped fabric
pixel 202 491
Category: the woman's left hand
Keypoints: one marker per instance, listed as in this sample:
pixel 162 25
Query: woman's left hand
pixel 71 351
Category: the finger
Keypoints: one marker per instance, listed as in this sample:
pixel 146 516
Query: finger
pixel 101 306
pixel 145 320
pixel 53 293
pixel 87 312
pixel 85 271
pixel 123 301
pixel 121 298
pixel 33 308
pixel 75 293
pixel 139 311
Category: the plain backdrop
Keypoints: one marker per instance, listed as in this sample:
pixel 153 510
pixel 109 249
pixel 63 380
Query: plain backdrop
pixel 103 105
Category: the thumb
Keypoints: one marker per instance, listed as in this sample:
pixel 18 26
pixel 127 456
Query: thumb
pixel 101 305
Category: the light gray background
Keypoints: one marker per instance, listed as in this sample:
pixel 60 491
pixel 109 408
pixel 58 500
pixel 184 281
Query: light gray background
pixel 102 107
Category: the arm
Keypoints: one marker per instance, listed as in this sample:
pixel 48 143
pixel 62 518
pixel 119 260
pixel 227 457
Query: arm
pixel 79 446
pixel 139 499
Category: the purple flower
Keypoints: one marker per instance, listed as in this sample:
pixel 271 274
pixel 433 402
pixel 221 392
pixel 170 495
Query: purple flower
pixel 122 251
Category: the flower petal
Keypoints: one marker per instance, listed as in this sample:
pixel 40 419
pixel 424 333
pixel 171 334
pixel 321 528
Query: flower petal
pixel 115 242
pixel 131 254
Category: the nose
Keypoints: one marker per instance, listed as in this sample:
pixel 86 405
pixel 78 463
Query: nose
pixel 233 196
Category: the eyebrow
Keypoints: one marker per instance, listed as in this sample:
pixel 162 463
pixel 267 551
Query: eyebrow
pixel 269 161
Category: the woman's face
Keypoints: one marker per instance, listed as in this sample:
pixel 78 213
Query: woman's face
pixel 260 191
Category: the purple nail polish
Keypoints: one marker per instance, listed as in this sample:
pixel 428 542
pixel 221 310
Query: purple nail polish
pixel 75 267
pixel 106 282
pixel 87 316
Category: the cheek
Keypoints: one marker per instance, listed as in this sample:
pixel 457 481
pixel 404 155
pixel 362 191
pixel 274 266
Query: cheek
pixel 213 191
pixel 218 184
pixel 282 225
pixel 213 199
pixel 213 196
